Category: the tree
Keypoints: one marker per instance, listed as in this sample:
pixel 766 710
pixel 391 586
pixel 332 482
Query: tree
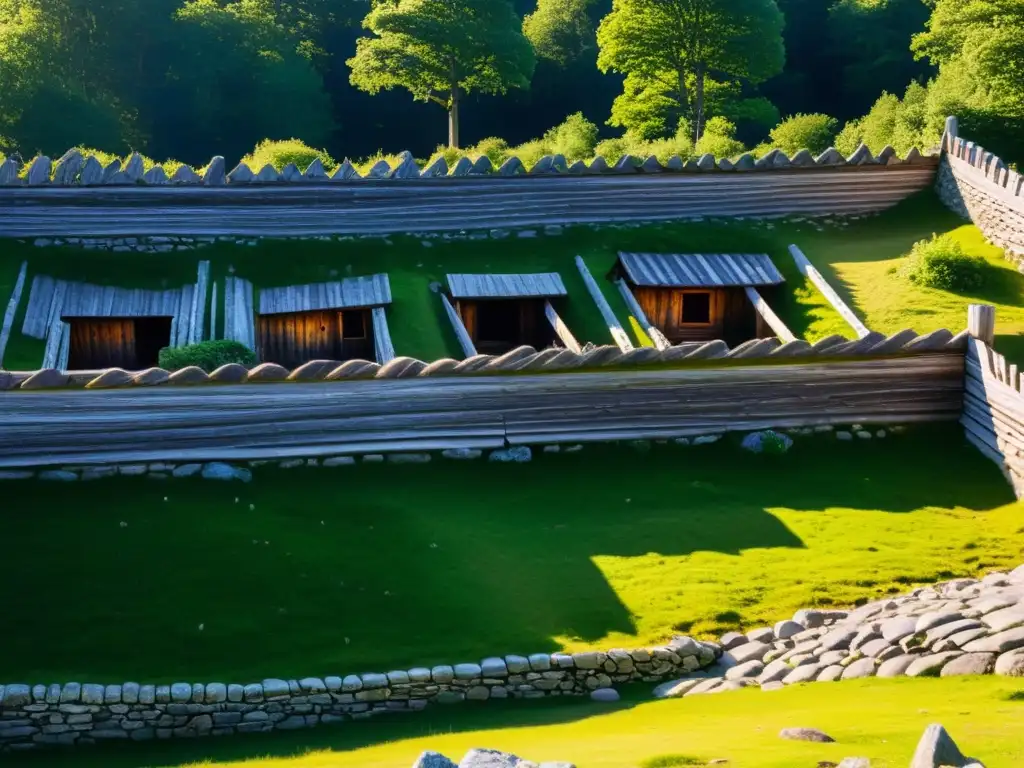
pixel 560 30
pixel 441 50
pixel 687 42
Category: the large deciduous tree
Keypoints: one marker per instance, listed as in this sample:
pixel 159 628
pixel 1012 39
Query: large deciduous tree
pixel 677 46
pixel 560 30
pixel 441 50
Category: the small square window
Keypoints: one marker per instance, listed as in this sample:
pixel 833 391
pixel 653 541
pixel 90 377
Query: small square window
pixel 353 325
pixel 696 309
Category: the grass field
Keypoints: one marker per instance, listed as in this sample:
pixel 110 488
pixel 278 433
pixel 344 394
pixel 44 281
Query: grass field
pixel 856 258
pixel 878 719
pixel 370 568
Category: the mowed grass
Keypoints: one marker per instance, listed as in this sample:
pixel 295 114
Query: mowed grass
pixel 878 719
pixel 377 567
pixel 857 257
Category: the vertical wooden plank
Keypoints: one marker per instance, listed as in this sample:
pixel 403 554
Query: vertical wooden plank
pixel 468 349
pixel 12 309
pixel 229 308
pixel 1014 379
pixel 811 273
pixel 52 350
pixel 561 329
pixel 981 322
pixel 198 310
pixel 614 328
pixel 248 317
pixel 383 348
pixel 65 347
pixel 634 307
pixel 213 312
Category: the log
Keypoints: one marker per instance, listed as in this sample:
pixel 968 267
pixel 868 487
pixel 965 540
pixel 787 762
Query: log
pixel 561 329
pixel 773 321
pixel 811 273
pixel 383 348
pixel 461 334
pixel 614 328
pixel 12 310
pixel 660 342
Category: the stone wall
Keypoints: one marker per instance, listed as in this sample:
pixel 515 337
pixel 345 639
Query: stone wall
pixel 981 188
pixel 75 713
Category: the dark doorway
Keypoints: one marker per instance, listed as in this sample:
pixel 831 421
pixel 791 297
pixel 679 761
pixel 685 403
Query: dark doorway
pixel 132 343
pixel 500 325
pixel 294 338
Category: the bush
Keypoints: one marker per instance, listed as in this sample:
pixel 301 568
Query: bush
pixel 849 138
pixel 813 132
pixel 575 138
pixel 208 355
pixel 530 152
pixel 612 149
pixel 942 263
pixel 280 153
pixel 718 140
pixel 451 155
pixel 496 149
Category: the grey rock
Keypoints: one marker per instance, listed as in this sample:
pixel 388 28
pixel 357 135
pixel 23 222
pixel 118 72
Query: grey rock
pixel 831 673
pixel 931 664
pixel 855 762
pixel 518 454
pixel 861 668
pixel 436 169
pixel 937 748
pixel 60 475
pixel 897 628
pixel 761 635
pixel 39 171
pixel 482 166
pixel 1010 664
pixel 215 175
pixel 606 695
pixel 805 734
pixel 217 470
pixel 751 668
pixel 315 171
pixel 134 168
pixel 676 688
pixel 747 652
pixel 1001 642
pixel 9 170
pixel 875 648
pixel 185 175
pixel 803 674
pixel 489 758
pixel 731 640
pixel 187 470
pixel 68 167
pixel 775 671
pixel 462 453
pixel 433 760
pixel 241 174
pixel 268 174
pixel 463 166
pixel 408 458
pixel 970 664
pixel 934 618
pixel 339 461
pixel 838 639
pixel 786 629
pixel 155 176
pixel 1006 618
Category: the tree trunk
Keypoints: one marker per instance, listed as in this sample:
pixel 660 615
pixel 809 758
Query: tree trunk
pixel 453 119
pixel 698 106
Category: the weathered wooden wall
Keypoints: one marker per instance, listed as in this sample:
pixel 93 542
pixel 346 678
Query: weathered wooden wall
pixel 379 206
pixel 993 416
pixel 250 421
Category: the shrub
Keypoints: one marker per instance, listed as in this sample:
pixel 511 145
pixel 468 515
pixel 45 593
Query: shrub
pixel 849 138
pixel 612 149
pixel 496 149
pixel 530 152
pixel 718 140
pixel 942 263
pixel 812 132
pixel 451 155
pixel 208 355
pixel 280 153
pixel 575 138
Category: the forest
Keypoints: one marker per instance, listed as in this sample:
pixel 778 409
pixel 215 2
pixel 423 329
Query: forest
pixel 187 79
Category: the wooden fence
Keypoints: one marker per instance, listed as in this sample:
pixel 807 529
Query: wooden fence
pixel 993 413
pixel 241 422
pixel 380 206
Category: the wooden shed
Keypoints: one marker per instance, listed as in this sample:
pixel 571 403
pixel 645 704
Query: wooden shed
pixel 342 320
pixel 701 296
pixel 91 327
pixel 501 312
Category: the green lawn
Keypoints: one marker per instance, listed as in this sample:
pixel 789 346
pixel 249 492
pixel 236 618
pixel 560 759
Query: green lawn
pixel 879 719
pixel 376 567
pixel 856 258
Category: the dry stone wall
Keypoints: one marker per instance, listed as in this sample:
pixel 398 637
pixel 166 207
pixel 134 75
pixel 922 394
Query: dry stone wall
pixel 32 716
pixel 980 187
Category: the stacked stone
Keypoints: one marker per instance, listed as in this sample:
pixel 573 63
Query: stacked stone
pixel 74 713
pixel 960 627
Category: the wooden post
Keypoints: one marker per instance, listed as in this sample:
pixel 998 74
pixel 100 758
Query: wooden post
pixel 12 309
pixel 808 270
pixel 619 335
pixel 660 342
pixel 383 348
pixel 950 134
pixel 981 322
pixel 761 306
pixel 468 349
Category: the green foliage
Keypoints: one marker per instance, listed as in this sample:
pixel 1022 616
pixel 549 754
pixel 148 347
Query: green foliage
pixel 560 30
pixel 575 138
pixel 813 132
pixel 612 149
pixel 719 139
pixel 208 355
pixel 280 153
pixel 441 49
pixel 942 263
pixel 531 151
pixel 496 150
pixel 738 40
pixel 670 761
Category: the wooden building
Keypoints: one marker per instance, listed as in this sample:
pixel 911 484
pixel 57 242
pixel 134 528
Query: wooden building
pixel 493 314
pixel 93 327
pixel 700 296
pixel 340 321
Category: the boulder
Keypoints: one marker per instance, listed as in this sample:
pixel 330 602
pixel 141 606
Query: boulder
pixel 706 162
pixel 230 373
pixel 861 156
pixel 217 470
pixel 291 173
pixel 512 167
pixel 155 176
pixel 805 673
pixel 151 377
pixel 185 175
pixel 932 619
pixel 747 652
pixel 781 160
pixel 896 666
pixel 931 664
pixel 482 166
pixel 241 174
pixel 732 640
pixel 675 163
pixel 406 168
pixel 895 629
pixel 937 748
pixel 1010 664
pixel 745 162
pixel 544 165
pixel 673 689
pixel 346 172
pixel 268 372
pixel 802 159
pixel 1000 642
pixel 627 164
pixel 68 168
pixel 462 167
pixel 190 375
pixel 112 377
pixel 268 174
pixel 651 165
pixel 805 734
pixel 578 168
pixel 91 174
pixel 215 174
pixel 489 758
pixel 861 668
pixel 433 760
pixel 558 164
pixel 315 171
pixel 886 154
pixel 47 378
pixel 606 695
pixel 598 165
pixel 970 664
pixel 39 172
pixel 134 169
pixel 725 164
pixel 9 170
pixel 830 156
